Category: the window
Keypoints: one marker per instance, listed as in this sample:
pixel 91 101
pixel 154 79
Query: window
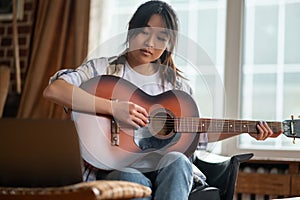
pixel 271 66
pixel 260 71
pixel 6 9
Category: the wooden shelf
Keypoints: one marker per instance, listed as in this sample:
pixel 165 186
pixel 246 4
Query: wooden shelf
pixel 295 183
pixel 286 183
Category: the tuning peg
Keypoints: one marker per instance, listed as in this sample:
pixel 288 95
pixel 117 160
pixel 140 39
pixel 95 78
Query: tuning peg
pixel 292 128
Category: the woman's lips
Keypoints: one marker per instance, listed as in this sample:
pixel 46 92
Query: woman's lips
pixel 146 52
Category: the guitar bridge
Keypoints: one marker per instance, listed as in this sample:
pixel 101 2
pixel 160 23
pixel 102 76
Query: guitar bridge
pixel 115 133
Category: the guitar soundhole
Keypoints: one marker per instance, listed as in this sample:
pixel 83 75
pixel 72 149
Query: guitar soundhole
pixel 162 124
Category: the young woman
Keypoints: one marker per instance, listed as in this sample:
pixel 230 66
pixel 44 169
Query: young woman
pixel 148 64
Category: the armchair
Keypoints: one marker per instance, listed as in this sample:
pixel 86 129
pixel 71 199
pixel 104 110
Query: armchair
pixel 95 190
pixel 221 173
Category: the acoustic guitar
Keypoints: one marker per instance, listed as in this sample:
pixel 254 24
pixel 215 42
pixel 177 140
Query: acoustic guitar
pixel 174 125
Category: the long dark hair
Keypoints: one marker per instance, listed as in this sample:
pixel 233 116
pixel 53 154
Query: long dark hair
pixel 140 20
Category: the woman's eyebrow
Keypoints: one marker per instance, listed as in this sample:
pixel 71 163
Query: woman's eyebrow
pixel 164 32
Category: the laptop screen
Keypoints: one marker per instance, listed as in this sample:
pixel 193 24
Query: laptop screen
pixel 39 153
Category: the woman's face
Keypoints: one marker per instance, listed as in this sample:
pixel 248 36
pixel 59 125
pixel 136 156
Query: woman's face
pixel 149 44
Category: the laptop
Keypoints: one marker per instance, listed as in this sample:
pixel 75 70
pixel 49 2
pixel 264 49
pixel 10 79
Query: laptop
pixel 39 153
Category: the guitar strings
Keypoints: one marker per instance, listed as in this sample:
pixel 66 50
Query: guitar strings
pixel 212 123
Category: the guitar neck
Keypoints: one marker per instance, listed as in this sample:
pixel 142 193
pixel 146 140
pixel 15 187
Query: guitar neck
pixel 206 125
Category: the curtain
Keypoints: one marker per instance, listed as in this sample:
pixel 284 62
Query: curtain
pixel 60 40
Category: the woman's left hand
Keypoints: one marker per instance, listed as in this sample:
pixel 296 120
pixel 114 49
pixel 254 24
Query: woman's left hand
pixel 264 131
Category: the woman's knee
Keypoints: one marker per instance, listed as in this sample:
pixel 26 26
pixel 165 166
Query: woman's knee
pixel 175 159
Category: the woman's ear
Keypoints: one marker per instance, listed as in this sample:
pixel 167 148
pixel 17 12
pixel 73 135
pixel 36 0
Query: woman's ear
pixel 168 47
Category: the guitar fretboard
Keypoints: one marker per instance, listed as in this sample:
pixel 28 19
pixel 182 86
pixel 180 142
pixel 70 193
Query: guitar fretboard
pixel 206 125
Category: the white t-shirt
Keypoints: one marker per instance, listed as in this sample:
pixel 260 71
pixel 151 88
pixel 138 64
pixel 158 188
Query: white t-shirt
pixel 96 67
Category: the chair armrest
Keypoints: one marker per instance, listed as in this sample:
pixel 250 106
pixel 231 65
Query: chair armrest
pixel 117 189
pixel 221 171
pixel 85 190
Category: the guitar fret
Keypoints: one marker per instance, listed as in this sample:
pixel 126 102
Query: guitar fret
pixel 203 127
pixel 206 125
pixel 192 124
pixel 227 126
pixel 237 126
pixel 230 127
pixel 245 127
pixel 253 128
pixel 219 126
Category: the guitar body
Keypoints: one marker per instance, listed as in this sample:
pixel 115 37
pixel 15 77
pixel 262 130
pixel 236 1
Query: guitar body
pixel 159 136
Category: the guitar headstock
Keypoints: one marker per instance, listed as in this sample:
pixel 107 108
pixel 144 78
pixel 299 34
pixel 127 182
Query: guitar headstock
pixel 291 128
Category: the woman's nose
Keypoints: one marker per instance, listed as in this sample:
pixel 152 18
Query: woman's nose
pixel 150 41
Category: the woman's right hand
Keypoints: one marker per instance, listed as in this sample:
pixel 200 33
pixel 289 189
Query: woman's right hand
pixel 129 113
pixel 73 97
